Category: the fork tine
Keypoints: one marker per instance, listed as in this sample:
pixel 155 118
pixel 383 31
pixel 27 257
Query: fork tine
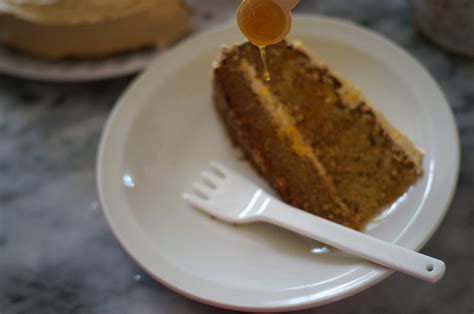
pixel 219 167
pixel 195 200
pixel 202 188
pixel 211 177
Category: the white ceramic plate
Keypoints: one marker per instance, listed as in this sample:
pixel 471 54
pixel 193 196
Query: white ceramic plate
pixel 26 66
pixel 164 130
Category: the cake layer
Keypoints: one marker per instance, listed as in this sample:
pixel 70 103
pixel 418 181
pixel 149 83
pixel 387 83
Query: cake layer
pixel 155 26
pixel 312 135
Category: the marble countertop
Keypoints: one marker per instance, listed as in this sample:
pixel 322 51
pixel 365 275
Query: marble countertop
pixel 57 254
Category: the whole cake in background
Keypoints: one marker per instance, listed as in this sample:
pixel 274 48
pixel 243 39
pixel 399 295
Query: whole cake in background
pixel 90 28
pixel 312 134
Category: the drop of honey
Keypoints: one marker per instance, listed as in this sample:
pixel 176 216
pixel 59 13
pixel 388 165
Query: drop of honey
pixel 264 23
pixel 263 55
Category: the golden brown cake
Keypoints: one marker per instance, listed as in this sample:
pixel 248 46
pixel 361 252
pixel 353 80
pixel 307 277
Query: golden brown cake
pixel 90 28
pixel 312 135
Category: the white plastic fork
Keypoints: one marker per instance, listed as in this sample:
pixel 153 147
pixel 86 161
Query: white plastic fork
pixel 233 198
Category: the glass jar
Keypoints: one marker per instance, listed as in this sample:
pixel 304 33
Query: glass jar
pixel 449 23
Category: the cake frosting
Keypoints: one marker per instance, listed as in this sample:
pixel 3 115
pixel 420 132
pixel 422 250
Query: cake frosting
pixel 70 12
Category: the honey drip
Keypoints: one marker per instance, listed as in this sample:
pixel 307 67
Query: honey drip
pixel 266 72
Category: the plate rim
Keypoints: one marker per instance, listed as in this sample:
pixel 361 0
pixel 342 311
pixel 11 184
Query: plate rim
pixel 372 277
pixel 76 70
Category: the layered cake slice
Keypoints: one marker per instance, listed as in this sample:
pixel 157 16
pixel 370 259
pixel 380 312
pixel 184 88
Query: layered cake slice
pixel 312 135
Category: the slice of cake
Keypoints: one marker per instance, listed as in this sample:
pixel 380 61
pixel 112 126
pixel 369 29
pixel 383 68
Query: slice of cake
pixel 312 135
pixel 90 28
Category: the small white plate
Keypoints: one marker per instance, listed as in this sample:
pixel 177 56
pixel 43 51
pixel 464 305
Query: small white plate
pixel 26 66
pixel 164 130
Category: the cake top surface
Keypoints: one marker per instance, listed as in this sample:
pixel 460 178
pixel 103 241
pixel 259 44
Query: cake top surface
pixel 349 94
pixel 70 12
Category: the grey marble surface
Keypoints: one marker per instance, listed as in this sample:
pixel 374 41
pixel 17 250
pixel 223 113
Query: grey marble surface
pixel 57 254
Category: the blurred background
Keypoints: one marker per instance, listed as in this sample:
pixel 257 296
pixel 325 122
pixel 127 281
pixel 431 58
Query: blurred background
pixel 57 254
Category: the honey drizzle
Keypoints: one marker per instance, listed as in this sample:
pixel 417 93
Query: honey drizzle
pixel 263 55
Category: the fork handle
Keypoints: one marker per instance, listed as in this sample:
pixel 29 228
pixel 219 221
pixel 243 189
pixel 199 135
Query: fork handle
pixel 380 252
